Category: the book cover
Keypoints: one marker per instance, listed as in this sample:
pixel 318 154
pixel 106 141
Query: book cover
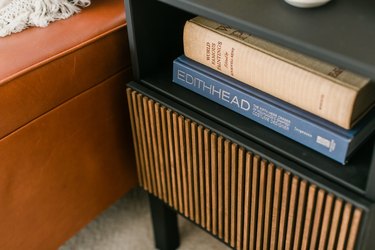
pixel 332 93
pixel 284 118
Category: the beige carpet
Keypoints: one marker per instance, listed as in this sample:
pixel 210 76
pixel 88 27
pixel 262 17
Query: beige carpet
pixel 127 226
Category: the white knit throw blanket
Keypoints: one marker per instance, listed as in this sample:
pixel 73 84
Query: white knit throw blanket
pixel 17 15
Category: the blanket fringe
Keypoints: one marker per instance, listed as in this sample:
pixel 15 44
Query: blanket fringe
pixel 21 14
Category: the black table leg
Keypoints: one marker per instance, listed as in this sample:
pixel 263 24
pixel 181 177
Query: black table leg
pixel 164 221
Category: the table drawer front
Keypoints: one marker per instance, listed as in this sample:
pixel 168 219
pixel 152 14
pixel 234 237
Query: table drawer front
pixel 242 198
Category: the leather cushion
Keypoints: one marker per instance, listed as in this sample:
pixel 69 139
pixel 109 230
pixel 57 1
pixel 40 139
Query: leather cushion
pixel 40 68
pixel 63 168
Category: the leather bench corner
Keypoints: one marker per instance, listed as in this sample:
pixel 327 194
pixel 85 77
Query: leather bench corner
pixel 65 139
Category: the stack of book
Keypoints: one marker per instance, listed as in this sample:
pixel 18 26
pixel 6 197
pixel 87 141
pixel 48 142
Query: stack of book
pixel 319 105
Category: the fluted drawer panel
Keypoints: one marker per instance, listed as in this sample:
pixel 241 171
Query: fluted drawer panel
pixel 238 196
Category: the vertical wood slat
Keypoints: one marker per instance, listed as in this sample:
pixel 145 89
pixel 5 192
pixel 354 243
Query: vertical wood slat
pixel 276 208
pixel 172 158
pixel 149 145
pixel 292 212
pixel 327 215
pixel 207 169
pixel 335 224
pixel 139 143
pixel 233 194
pixel 159 132
pixel 214 155
pixel 268 206
pixel 144 142
pixel 309 217
pixel 183 172
pixel 189 168
pixel 284 210
pixel 154 143
pixel 166 150
pixel 354 229
pixel 247 200
pixel 300 214
pixel 344 226
pixel 261 203
pixel 137 115
pixel 134 124
pixel 240 197
pixel 220 187
pixel 176 145
pixel 254 204
pixel 227 160
pixel 196 190
pixel 317 219
pixel 201 176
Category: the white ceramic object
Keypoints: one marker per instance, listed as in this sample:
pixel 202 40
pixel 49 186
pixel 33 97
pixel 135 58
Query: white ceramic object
pixel 307 3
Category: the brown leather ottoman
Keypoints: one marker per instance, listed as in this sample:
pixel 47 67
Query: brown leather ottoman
pixel 65 144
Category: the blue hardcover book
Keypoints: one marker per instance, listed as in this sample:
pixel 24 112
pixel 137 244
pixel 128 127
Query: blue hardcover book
pixel 284 118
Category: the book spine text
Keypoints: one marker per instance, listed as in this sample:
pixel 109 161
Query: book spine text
pixel 231 53
pixel 282 121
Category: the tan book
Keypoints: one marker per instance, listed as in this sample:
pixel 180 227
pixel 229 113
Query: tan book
pixel 334 94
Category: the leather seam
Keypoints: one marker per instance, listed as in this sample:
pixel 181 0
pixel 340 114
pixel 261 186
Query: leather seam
pixel 60 54
pixel 126 70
